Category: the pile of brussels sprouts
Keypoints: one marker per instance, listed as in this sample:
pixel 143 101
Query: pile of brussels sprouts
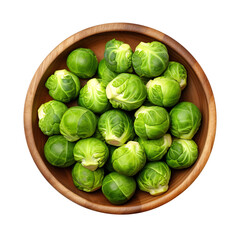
pixel 129 128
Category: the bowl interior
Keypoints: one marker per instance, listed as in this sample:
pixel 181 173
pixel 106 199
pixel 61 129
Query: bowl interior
pixel 194 92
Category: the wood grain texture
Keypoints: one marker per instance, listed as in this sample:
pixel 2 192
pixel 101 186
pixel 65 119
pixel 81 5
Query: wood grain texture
pixel 198 91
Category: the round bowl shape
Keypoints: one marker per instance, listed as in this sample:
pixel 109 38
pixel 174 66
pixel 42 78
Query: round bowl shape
pixel 197 91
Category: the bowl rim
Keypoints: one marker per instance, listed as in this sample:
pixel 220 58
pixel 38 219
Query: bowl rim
pixel 110 27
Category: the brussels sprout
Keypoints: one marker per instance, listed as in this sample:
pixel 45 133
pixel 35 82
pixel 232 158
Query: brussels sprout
pixel 87 180
pixel 49 115
pixel 178 72
pixel 116 127
pixel 105 74
pixel 156 149
pixel 154 178
pixel 163 91
pixel 129 159
pixel 91 152
pixel 126 91
pixel 63 85
pixel 182 154
pixel 151 122
pixel 93 96
pixel 109 163
pixel 185 120
pixel 118 188
pixel 118 56
pixel 150 59
pixel 83 62
pixel 58 151
pixel 78 122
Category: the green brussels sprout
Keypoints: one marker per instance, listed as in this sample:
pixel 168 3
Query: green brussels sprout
pixel 116 127
pixel 63 86
pixel 154 178
pixel 87 180
pixel 109 163
pixel 105 74
pixel 150 59
pixel 126 91
pixel 182 154
pixel 151 122
pixel 117 188
pixel 178 72
pixel 118 56
pixel 163 91
pixel 129 159
pixel 156 149
pixel 93 96
pixel 58 151
pixel 49 115
pixel 78 122
pixel 82 62
pixel 185 120
pixel 92 153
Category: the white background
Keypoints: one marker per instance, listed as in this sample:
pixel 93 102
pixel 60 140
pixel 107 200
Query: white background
pixel 30 208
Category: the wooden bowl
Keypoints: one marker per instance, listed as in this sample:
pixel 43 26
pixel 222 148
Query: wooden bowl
pixel 197 91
